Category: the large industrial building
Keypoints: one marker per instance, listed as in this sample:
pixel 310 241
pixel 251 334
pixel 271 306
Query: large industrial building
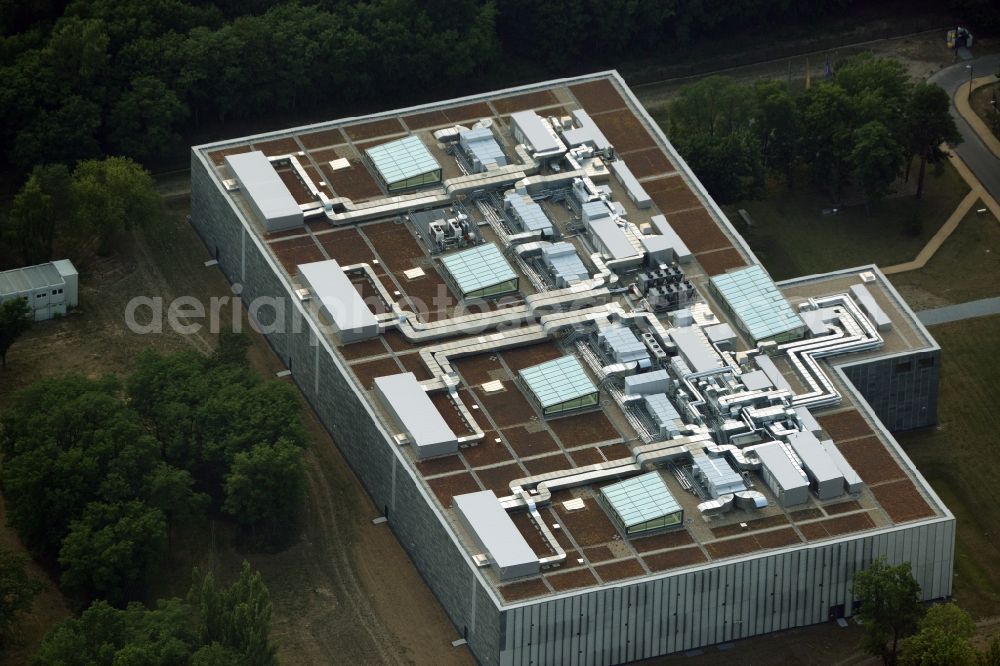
pixel 597 426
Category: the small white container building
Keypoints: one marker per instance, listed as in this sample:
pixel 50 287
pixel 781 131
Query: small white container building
pixel 49 289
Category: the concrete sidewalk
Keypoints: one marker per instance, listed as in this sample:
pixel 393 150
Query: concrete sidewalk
pixel 981 308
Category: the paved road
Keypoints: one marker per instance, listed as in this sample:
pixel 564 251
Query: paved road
pixel 973 151
pixel 981 308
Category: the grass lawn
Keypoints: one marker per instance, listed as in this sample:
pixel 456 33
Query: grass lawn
pixel 982 104
pixel 965 268
pixel 958 457
pixel 792 237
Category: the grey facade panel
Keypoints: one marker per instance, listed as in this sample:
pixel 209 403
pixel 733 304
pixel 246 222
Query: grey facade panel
pixel 487 521
pixel 408 403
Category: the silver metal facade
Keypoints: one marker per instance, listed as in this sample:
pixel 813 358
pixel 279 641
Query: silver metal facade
pixel 720 602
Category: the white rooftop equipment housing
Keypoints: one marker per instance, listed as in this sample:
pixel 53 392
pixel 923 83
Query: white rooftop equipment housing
pixel 265 191
pixel 587 133
pixel 339 300
pixel 530 129
pixel 565 264
pixel 423 424
pixel 635 190
pixel 482 149
pixel 781 475
pixel 493 530
pixel 681 252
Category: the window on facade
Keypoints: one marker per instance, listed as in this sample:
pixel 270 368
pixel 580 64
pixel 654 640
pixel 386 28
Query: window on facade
pixel 926 362
pixel 905 366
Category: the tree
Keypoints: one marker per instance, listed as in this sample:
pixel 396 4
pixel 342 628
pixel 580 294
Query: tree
pixel 237 618
pixel 929 124
pixel 941 640
pixel 111 195
pixel 890 607
pixel 827 127
pixel 728 165
pixel 112 548
pixel 143 120
pixel 265 487
pixel 17 593
pixel 779 128
pixel 15 319
pixel 715 105
pixel 32 224
pixel 876 159
pixel 991 655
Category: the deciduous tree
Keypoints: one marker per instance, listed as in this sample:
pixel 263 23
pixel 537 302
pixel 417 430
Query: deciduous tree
pixel 890 607
pixel 876 159
pixel 15 319
pixel 942 639
pixel 929 124
pixel 17 593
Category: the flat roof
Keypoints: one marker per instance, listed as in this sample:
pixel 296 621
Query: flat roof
pixel 260 182
pixel 557 381
pixel 640 499
pixel 775 459
pixel 402 159
pixel 19 280
pixel 565 262
pixel 529 445
pixel 478 268
pixel 756 301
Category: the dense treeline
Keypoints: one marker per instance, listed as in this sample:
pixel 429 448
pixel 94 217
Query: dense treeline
pixel 98 474
pixel 863 126
pixel 129 77
pixel 213 627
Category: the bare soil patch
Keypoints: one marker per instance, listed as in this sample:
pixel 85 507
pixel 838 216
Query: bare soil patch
pixel 698 230
pixel 624 130
pixel 586 428
pixel 620 570
pixel 596 554
pixel 487 452
pixel 293 252
pixel 367 371
pixel 363 349
pixel 328 137
pixel 902 501
pixel 524 589
pixel 842 507
pixel 447 487
pixel 588 456
pixel 507 408
pixel 845 425
pixel 648 162
pixel 218 157
pixel 532 100
pixel 721 261
pixel 671 194
pixel 674 559
pixel 662 541
pixel 571 580
pixel 375 128
pixel 598 96
pixel 498 478
pixel 871 459
pixel 547 464
pixel 531 442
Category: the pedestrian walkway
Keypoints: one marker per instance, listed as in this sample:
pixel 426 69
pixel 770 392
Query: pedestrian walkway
pixel 940 237
pixel 981 308
pixel 964 106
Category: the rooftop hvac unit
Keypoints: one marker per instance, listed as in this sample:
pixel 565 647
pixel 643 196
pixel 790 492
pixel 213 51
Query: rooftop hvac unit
pixel 303 294
pixel 231 185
